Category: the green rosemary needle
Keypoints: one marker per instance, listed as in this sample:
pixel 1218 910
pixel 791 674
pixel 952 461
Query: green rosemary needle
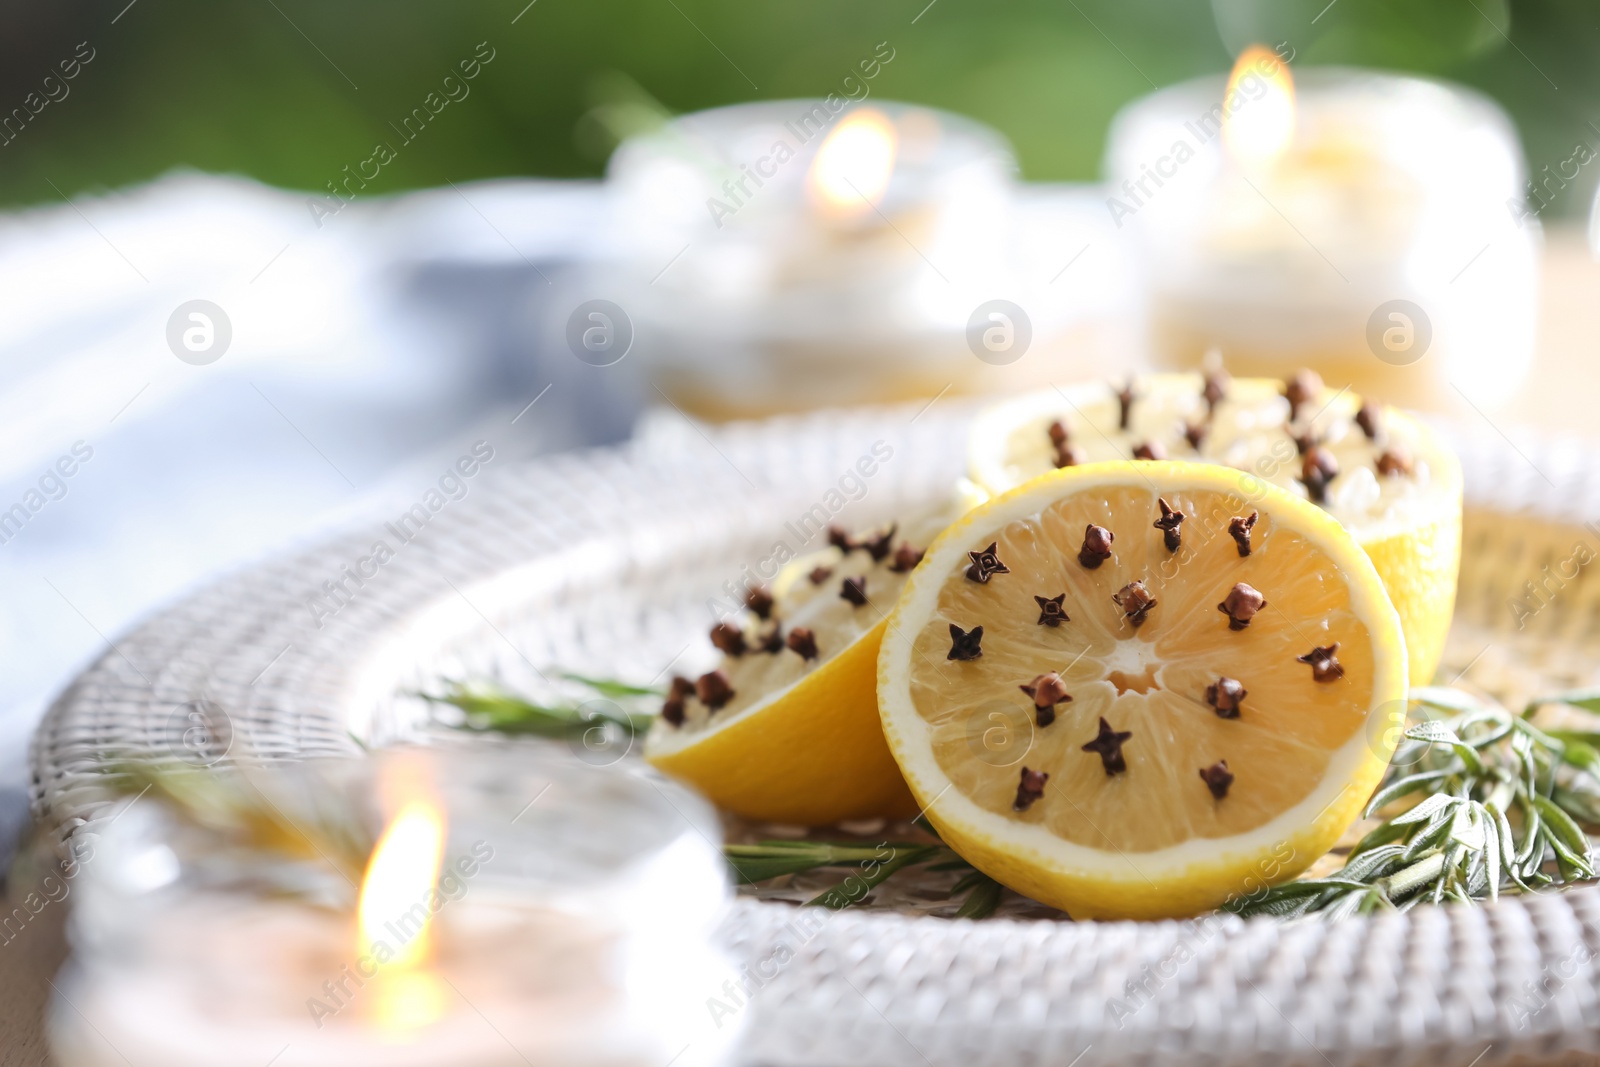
pixel 1501 802
pixel 491 710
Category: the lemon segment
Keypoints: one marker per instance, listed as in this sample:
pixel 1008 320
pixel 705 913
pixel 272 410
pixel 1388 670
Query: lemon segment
pixel 1158 798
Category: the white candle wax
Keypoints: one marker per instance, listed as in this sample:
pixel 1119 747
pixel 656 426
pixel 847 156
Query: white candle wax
pixel 566 920
pixel 1382 246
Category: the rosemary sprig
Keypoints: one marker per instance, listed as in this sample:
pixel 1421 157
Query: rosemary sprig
pixel 1500 811
pixel 871 865
pixel 296 814
pixel 625 707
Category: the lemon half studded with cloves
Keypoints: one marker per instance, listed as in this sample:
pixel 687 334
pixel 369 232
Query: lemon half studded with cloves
pixel 1386 476
pixel 785 729
pixel 1140 689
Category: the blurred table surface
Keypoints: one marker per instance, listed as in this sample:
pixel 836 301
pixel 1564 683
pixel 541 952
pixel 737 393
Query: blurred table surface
pixel 1557 401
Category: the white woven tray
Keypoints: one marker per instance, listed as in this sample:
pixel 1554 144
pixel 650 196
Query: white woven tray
pixel 603 562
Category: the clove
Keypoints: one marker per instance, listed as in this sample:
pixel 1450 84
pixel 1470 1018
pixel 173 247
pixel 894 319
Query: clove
pixel 1096 546
pixel 1305 386
pixel 878 547
pixel 1217 778
pixel 1135 601
pixel 1031 788
pixel 679 691
pixel 758 598
pixel 1051 612
pixel 1125 399
pixel 1325 666
pixel 1241 605
pixel 1395 461
pixel 986 564
pixel 1047 690
pixel 1150 450
pixel 713 689
pixel 906 559
pixel 965 644
pixel 854 590
pixel 820 574
pixel 728 638
pixel 1195 434
pixel 1068 456
pixel 1214 392
pixel 1170 524
pixel 1239 529
pixel 803 641
pixel 1225 695
pixel 1317 469
pixel 1108 745
pixel 1370 420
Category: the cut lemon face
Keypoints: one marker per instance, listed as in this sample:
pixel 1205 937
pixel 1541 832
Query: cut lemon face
pixel 786 728
pixel 1381 473
pixel 1103 703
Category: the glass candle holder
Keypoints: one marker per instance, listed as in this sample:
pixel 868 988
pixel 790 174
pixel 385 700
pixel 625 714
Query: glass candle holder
pixel 1377 236
pixel 562 914
pixel 799 253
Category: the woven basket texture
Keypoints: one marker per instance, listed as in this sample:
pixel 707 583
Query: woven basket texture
pixel 604 562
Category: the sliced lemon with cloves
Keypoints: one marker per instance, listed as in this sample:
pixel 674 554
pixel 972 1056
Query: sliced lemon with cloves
pixel 1381 473
pixel 786 728
pixel 1140 689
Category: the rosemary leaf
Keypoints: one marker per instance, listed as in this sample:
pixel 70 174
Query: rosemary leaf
pixel 983 897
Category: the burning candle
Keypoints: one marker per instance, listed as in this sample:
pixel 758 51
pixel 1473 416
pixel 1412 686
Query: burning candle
pixel 510 908
pixel 1362 224
pixel 803 253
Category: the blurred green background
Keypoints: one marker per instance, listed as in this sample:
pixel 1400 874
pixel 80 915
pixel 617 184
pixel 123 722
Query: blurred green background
pixel 291 91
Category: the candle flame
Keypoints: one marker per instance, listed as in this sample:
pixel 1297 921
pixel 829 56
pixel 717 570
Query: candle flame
pixel 852 169
pixel 1258 110
pixel 393 916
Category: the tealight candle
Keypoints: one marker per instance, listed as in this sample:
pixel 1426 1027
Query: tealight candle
pixel 516 908
pixel 800 253
pixel 1362 224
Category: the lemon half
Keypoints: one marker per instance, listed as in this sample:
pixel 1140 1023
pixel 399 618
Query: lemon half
pixel 1132 750
pixel 1405 510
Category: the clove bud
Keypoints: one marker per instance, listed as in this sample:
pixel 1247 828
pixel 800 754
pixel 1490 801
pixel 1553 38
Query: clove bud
pixel 1325 666
pixel 1395 461
pixel 803 641
pixel 1370 420
pixel 1225 695
pixel 1031 788
pixel 1215 391
pixel 1317 469
pixel 1241 605
pixel 1135 601
pixel 1051 612
pixel 713 689
pixel 906 559
pixel 965 644
pixel 986 564
pixel 1239 529
pixel 728 638
pixel 1305 386
pixel 758 598
pixel 1096 546
pixel 1125 399
pixel 1217 778
pixel 1047 690
pixel 1170 524
pixel 680 690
